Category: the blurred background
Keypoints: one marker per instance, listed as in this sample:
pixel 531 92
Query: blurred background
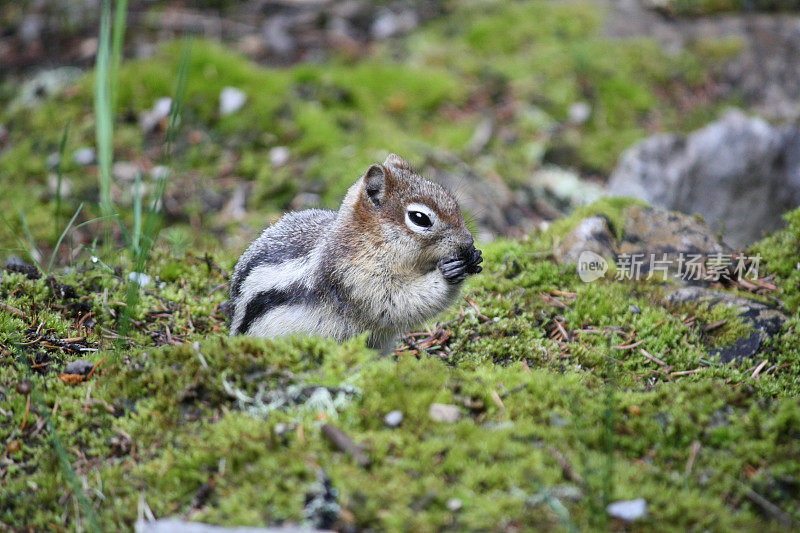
pixel 525 109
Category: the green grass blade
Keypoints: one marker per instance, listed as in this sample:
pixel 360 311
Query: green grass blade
pixel 29 235
pixel 137 214
pixel 145 233
pixel 63 234
pixel 61 150
pixel 93 220
pixel 173 125
pixel 117 40
pixel 104 127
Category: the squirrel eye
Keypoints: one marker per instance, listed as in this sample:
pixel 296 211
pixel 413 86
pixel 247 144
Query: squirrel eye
pixel 420 219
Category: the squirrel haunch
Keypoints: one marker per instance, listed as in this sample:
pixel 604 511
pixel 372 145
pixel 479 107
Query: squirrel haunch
pixel 393 256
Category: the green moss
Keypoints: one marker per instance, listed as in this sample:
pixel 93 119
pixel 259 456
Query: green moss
pixel 781 254
pixel 223 416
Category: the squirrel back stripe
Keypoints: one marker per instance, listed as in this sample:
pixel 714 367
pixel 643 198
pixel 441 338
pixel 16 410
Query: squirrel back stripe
pixel 262 303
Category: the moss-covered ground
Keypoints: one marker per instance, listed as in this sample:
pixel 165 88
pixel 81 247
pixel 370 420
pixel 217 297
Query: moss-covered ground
pixel 560 410
pixel 557 417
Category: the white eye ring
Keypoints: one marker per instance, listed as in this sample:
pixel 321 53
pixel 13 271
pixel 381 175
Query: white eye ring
pixel 426 212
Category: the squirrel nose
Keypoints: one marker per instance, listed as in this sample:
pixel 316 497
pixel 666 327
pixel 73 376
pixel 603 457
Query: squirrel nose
pixel 467 246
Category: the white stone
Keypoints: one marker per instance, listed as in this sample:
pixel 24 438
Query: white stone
pixel 279 156
pixel 393 419
pixel 579 113
pixel 231 100
pixel 84 156
pixel 628 510
pixel 454 504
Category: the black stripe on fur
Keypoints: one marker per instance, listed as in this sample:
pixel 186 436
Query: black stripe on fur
pixel 265 301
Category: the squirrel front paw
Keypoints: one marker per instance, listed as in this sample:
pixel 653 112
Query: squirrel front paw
pixel 474 261
pixel 455 268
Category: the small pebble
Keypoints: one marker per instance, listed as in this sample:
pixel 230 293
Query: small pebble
pixel 579 112
pixel 628 510
pixel 393 419
pixel 231 100
pixel 280 428
pixel 454 504
pixel 443 412
pixel 635 309
pixel 279 156
pixel 24 387
pixel 84 156
pixel 79 366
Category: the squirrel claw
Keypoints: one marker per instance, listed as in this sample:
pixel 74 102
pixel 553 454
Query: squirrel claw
pixel 455 268
pixel 472 266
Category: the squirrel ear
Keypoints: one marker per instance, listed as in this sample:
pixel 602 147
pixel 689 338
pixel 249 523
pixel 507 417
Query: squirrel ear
pixel 395 160
pixel 375 184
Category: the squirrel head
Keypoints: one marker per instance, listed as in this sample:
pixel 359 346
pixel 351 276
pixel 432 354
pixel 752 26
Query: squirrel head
pixel 416 221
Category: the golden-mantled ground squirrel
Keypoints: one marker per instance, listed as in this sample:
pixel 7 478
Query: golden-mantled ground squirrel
pixel 393 256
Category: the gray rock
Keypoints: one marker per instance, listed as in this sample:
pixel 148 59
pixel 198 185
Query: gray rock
pixel 628 510
pixel 79 366
pixel 44 84
pixel 277 38
pixel 443 412
pixel 389 24
pixel 592 234
pixel 657 238
pixel 765 320
pixel 30 29
pixel 393 419
pixel 739 173
pixel 231 100
pixel 84 156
